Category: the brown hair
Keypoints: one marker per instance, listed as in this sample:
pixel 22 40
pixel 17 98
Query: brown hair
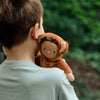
pixel 49 39
pixel 16 19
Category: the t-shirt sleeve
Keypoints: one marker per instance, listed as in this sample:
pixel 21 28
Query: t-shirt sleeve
pixel 66 90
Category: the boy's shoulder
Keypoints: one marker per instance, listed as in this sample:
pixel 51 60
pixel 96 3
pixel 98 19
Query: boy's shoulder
pixel 54 72
pixel 50 76
pixel 54 75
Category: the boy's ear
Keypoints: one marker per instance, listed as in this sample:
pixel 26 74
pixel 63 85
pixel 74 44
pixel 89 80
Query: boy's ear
pixel 36 28
pixel 34 31
pixel 4 50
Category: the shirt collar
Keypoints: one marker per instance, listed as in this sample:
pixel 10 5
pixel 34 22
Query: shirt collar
pixel 18 63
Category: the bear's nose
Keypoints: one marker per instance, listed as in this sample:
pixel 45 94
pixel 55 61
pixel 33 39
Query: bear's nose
pixel 48 52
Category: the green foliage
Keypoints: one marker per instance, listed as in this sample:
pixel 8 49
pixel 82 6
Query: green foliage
pixel 93 57
pixel 77 54
pixel 94 60
pixel 91 75
pixel 84 92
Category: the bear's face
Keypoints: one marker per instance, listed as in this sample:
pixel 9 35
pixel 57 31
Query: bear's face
pixel 49 49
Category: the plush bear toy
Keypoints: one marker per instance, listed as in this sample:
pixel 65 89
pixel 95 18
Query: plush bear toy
pixel 52 48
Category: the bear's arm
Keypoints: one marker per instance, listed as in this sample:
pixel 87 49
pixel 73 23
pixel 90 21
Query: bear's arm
pixel 64 66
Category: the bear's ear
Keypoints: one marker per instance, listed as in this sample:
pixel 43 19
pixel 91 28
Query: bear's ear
pixel 40 38
pixel 63 46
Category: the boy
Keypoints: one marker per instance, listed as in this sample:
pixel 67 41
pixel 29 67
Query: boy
pixel 20 79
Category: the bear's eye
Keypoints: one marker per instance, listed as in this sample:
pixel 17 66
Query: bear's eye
pixel 43 48
pixel 54 52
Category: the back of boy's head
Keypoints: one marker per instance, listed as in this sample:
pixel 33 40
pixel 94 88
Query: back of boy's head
pixel 16 19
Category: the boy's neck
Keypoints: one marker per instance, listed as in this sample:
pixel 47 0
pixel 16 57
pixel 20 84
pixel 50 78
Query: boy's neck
pixel 22 52
pixel 22 57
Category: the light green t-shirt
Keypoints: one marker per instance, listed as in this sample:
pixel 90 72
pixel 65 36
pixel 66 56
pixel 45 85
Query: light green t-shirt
pixel 23 80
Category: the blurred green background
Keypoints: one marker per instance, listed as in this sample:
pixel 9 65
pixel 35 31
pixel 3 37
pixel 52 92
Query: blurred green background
pixel 78 22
